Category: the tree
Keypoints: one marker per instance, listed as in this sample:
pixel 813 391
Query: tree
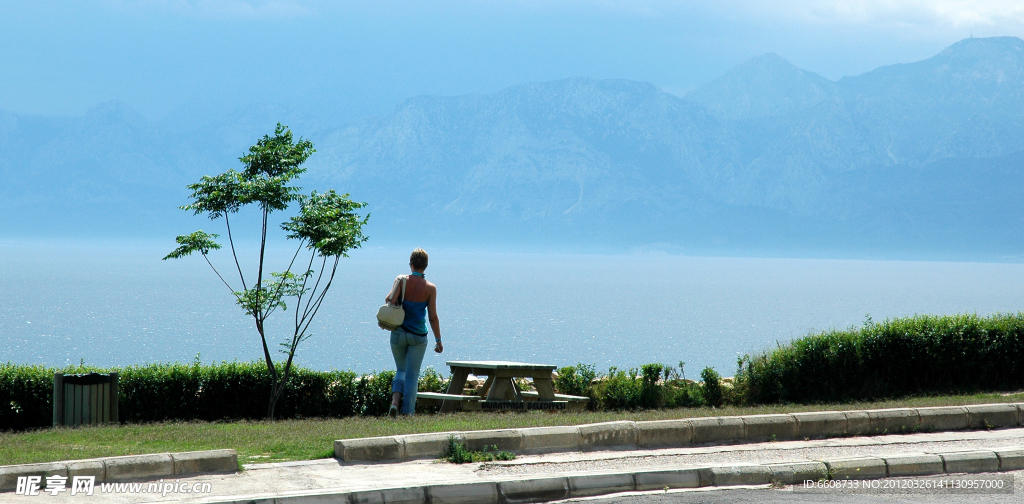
pixel 327 227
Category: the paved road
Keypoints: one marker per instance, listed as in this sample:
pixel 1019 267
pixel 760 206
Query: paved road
pixel 787 495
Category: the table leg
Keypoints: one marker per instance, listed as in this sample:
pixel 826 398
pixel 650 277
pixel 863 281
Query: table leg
pixel 545 391
pixel 516 391
pixel 487 386
pixel 455 386
pixel 499 389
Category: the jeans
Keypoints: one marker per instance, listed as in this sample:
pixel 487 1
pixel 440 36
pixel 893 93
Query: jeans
pixel 408 350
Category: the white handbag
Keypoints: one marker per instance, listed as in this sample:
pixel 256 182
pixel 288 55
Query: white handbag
pixel 392 316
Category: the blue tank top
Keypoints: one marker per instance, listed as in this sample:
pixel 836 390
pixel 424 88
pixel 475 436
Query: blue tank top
pixel 415 317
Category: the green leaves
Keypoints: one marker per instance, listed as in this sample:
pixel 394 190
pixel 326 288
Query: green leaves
pixel 278 156
pixel 224 193
pixel 329 222
pixel 196 242
pixel 270 165
pixel 271 295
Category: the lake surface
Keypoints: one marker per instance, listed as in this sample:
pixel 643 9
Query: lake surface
pixel 111 305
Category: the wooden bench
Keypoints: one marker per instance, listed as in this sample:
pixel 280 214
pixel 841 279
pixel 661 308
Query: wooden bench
pixel 575 403
pixel 437 398
pixel 533 396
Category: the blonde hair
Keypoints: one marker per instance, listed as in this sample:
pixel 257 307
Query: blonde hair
pixel 418 259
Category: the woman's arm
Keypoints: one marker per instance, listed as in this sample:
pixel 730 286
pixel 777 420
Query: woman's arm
pixel 435 322
pixel 396 291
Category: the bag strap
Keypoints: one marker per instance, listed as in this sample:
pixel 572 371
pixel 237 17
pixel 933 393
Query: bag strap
pixel 404 278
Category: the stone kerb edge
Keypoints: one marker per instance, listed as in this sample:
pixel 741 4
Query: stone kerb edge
pixel 913 465
pixel 970 462
pixel 464 493
pixel 821 424
pixel 943 418
pixel 9 474
pixel 723 429
pixel 769 427
pixel 893 421
pixel 600 484
pixel 993 416
pixel 792 473
pixel 856 468
pixel 534 490
pixel 550 439
pixel 502 439
pixel 1010 459
pixel 607 434
pixel 685 432
pixel 664 433
pixel 127 467
pixel 373 449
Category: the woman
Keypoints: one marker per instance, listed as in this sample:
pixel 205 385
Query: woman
pixel 409 342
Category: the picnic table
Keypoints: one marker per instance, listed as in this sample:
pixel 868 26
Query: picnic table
pixel 500 391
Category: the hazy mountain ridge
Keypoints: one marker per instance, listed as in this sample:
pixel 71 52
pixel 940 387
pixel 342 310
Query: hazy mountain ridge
pixel 550 149
pixel 768 155
pixel 764 135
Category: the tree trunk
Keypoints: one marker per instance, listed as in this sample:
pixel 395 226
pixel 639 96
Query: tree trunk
pixel 273 402
pixel 276 391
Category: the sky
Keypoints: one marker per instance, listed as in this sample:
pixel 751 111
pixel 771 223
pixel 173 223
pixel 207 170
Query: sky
pixel 347 60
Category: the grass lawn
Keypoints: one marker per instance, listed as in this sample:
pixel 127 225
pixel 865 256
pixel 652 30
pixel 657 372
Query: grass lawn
pixel 259 441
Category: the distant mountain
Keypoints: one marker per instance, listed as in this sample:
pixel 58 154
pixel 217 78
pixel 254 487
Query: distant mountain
pixel 921 158
pixel 111 173
pixel 765 86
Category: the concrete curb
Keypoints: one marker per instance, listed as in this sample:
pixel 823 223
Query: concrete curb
pixel 549 488
pixel 688 431
pixel 128 467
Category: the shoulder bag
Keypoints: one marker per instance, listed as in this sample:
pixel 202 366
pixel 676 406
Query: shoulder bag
pixel 392 316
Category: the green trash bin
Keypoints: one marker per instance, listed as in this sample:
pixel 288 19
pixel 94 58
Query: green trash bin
pixel 84 399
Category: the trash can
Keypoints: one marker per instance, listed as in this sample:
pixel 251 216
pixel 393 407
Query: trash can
pixel 84 399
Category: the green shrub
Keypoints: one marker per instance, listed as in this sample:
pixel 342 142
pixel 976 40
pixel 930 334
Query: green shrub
pixel 711 387
pixel 25 397
pixel 578 380
pixel 898 357
pixel 373 393
pixel 620 390
pixel 432 381
pixel 651 387
pixel 459 454
pixel 654 386
pixel 679 394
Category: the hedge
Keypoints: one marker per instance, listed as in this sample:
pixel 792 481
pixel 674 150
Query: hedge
pixel 229 390
pixel 899 357
pixel 232 391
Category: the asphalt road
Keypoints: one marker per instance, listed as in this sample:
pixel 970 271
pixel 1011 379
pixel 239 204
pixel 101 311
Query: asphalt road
pixel 787 495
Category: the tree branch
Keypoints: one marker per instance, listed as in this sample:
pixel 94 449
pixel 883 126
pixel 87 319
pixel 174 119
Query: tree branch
pixel 218 274
pixel 323 293
pixel 263 248
pixel 305 280
pixel 280 285
pixel 323 266
pixel 266 353
pixel 232 242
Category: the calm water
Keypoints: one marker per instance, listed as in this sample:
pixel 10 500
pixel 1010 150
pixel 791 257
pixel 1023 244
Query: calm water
pixel 116 306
